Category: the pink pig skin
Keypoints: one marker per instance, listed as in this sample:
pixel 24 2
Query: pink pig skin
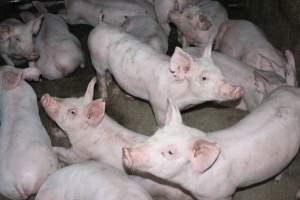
pixel 91 181
pixel 26 155
pixel 60 51
pixel 114 12
pixel 199 23
pixel 144 73
pixel 256 83
pixel 164 7
pixel 243 40
pixel 140 24
pixel 16 40
pixel 105 137
pixel 212 166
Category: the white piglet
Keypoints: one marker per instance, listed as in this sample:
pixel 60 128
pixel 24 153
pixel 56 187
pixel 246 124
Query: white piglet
pixel 79 117
pixel 17 40
pixel 212 166
pixel 139 24
pixel 91 181
pixel 26 155
pixel 144 73
pixel 60 51
pixel 243 40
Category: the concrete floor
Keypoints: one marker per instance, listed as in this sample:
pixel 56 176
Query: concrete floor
pixel 137 115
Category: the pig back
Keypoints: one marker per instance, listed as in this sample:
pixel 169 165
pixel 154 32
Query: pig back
pixel 26 157
pixel 265 141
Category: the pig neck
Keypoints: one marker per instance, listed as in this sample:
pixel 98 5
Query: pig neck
pixel 105 141
pixel 181 94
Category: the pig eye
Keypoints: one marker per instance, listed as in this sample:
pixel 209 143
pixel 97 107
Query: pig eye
pixel 169 152
pixel 72 111
pixel 204 78
pixel 18 39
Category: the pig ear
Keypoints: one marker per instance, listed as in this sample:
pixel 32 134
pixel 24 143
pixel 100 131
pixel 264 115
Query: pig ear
pixel 95 112
pixel 181 63
pixel 173 115
pixel 89 93
pixel 207 51
pixel 5 31
pixel 11 78
pixel 174 16
pixel 262 84
pixel 290 75
pixel 203 154
pixel 36 24
pixel 265 63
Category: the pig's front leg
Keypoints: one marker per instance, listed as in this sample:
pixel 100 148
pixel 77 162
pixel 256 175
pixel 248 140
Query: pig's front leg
pixel 8 60
pixel 31 72
pixel 68 156
pixel 158 110
pixel 56 132
pixel 102 84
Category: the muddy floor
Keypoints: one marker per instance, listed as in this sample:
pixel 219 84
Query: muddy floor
pixel 136 115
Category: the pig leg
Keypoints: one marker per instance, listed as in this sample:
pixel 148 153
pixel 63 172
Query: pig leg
pixel 8 60
pixel 102 84
pixel 68 156
pixel 56 132
pixel 31 72
pixel 158 111
pixel 242 105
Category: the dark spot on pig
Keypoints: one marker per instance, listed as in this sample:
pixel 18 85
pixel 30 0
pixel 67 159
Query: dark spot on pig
pixel 281 111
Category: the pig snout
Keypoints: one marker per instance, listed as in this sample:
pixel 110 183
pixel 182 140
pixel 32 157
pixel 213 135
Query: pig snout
pixel 231 91
pixel 33 55
pixel 50 105
pixel 133 158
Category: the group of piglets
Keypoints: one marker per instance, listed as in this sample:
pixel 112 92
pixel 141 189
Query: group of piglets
pixel 130 41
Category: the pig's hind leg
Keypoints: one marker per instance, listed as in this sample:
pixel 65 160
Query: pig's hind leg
pixel 102 84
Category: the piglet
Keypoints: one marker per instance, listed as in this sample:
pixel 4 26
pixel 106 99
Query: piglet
pixel 212 166
pixel 164 7
pixel 200 23
pixel 91 181
pixel 26 155
pixel 114 12
pixel 243 40
pixel 140 25
pixel 144 73
pixel 147 30
pixel 17 40
pixel 256 83
pixel 60 51
pixel 79 117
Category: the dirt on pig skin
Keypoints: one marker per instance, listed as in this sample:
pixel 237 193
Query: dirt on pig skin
pixel 136 115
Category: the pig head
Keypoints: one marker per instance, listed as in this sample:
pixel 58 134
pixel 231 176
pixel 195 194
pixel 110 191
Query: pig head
pixel 173 150
pixel 83 111
pixel 17 39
